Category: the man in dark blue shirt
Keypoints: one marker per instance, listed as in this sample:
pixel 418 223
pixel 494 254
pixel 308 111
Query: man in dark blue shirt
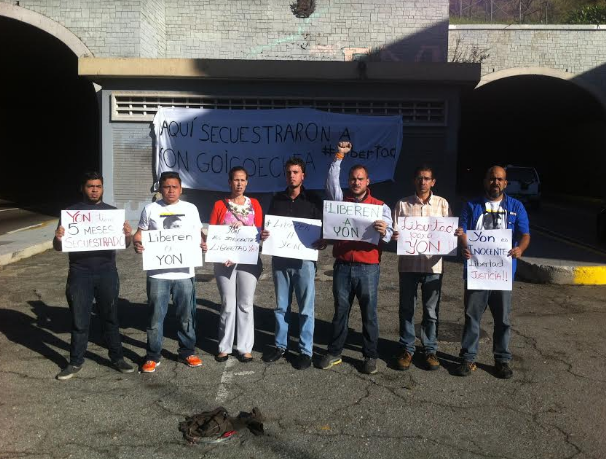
pixel 92 275
pixel 494 210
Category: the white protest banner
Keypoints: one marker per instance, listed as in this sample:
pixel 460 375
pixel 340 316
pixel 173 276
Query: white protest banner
pixel 427 235
pixel 88 230
pixel 351 221
pixel 236 244
pixel 292 237
pixel 171 248
pixel 489 267
pixel 202 145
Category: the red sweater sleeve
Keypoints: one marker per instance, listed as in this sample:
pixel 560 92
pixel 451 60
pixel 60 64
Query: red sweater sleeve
pixel 258 213
pixel 218 213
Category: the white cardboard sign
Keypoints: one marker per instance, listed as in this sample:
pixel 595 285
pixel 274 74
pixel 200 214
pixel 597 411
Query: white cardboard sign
pixel 427 236
pixel 236 244
pixel 292 237
pixel 351 221
pixel 490 266
pixel 171 248
pixel 88 230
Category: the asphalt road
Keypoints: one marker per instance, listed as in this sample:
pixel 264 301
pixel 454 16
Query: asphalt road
pixel 554 407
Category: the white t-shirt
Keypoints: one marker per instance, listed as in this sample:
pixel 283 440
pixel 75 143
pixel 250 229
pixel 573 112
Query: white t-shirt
pixel 159 215
pixel 494 216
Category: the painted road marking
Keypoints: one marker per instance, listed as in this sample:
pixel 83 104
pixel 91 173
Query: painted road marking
pixel 226 379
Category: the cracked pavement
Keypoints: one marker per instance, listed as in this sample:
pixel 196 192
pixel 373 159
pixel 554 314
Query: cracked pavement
pixel 554 407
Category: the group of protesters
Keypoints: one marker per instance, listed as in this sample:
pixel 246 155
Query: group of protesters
pixel 93 275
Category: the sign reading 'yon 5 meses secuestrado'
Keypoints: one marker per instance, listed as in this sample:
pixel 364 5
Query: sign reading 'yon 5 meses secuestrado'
pixel 89 230
pixel 351 221
pixel 202 145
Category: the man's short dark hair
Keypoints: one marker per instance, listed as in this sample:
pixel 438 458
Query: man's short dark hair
pixel 90 175
pixel 355 167
pixel 169 175
pixel 295 161
pixel 235 169
pixel 421 168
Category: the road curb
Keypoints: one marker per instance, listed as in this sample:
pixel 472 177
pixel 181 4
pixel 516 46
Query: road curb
pixel 540 273
pixel 27 252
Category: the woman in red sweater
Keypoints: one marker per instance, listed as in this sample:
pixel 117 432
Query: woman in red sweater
pixel 237 282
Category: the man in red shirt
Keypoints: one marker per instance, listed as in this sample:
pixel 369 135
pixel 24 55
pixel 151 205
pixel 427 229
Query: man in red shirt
pixel 356 269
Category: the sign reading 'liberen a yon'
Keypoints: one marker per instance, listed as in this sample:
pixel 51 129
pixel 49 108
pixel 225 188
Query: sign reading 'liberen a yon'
pixel 292 237
pixel 351 221
pixel 171 248
pixel 489 267
pixel 427 235
pixel 235 244
pixel 202 145
pixel 88 230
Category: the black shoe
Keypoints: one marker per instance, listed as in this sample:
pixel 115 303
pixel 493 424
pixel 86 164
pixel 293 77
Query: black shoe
pixel 68 372
pixel 465 368
pixel 221 358
pixel 245 359
pixel 503 370
pixel 303 362
pixel 369 366
pixel 122 366
pixel 274 355
pixel 329 361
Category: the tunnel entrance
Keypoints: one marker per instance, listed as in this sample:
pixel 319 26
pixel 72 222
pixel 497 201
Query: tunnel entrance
pixel 548 123
pixel 49 121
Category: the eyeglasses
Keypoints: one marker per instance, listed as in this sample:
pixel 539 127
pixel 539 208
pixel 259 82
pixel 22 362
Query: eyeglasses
pixel 423 179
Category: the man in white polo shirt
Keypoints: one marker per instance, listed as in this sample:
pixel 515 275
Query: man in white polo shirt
pixel 178 282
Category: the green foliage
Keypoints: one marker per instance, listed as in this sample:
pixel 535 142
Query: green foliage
pixel 594 14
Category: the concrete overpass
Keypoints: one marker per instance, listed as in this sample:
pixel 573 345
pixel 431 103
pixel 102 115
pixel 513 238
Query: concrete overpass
pixel 541 101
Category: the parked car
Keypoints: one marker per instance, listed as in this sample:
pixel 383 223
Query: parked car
pixel 523 183
pixel 601 222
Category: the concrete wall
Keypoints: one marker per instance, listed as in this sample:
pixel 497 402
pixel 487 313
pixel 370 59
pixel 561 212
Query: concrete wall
pixel 261 29
pixel 579 51
pixel 267 29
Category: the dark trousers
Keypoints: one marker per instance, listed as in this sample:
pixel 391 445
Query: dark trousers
pixel 350 281
pixel 81 289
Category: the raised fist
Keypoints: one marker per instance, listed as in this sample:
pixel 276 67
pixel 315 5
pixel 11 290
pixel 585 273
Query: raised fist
pixel 343 148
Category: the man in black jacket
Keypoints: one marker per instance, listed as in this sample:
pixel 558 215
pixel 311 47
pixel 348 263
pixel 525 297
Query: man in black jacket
pixel 292 274
pixel 92 275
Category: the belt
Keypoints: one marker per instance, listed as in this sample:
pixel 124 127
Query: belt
pixel 354 263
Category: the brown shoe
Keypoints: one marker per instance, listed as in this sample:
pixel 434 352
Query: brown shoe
pixel 432 362
pixel 403 360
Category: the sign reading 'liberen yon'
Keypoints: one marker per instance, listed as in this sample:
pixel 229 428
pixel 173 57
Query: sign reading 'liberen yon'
pixel 489 267
pixel 171 248
pixel 88 230
pixel 202 145
pixel 292 237
pixel 235 244
pixel 427 235
pixel 351 221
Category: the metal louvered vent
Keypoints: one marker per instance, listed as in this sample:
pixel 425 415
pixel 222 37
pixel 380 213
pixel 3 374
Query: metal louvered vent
pixel 131 107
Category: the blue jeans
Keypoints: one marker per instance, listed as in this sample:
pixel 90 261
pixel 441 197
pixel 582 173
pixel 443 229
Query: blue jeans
pixel 355 280
pixel 431 290
pixel 296 276
pixel 184 298
pixel 499 302
pixel 82 287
